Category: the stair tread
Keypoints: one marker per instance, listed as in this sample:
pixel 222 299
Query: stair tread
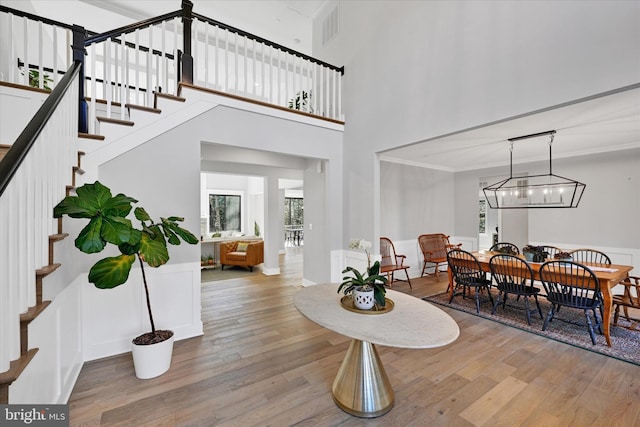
pixel 78 170
pixel 47 269
pixel 58 237
pixel 143 108
pixel 34 311
pixel 90 136
pixel 114 121
pixel 17 366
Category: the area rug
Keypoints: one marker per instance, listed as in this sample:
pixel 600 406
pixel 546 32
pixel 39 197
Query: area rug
pixel 625 344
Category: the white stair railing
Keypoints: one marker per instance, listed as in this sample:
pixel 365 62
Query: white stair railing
pixel 30 191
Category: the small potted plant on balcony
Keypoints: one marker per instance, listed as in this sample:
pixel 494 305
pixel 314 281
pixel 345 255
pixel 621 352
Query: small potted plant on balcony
pixel 368 289
pixel 148 244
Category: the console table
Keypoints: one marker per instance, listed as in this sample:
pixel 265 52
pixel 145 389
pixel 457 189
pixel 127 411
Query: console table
pixel 361 387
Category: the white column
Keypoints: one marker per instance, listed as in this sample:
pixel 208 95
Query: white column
pixel 273 226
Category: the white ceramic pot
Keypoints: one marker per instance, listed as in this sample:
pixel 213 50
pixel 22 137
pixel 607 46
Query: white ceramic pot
pixel 152 360
pixel 363 300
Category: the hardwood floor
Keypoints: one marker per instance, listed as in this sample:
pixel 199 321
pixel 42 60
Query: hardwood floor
pixel 261 363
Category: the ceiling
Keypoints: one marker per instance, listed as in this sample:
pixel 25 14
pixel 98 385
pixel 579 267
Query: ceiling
pixel 605 123
pixel 601 123
pixel 286 22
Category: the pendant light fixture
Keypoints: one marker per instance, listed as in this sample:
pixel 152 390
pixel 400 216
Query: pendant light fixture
pixel 534 191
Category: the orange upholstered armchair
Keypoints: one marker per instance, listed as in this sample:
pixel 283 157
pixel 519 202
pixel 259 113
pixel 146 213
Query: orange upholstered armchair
pixel 245 254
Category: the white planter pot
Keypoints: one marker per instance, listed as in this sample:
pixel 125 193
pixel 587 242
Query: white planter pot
pixel 152 360
pixel 363 300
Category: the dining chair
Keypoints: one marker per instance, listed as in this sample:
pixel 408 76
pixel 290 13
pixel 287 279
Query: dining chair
pixel 506 248
pixel 467 273
pixel 434 248
pixel 514 276
pixel 590 255
pixel 391 262
pixel 572 285
pixel 630 298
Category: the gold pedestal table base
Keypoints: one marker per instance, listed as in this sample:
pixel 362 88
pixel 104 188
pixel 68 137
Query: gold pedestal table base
pixel 361 387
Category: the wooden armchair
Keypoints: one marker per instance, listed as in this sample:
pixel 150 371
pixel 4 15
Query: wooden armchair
pixel 434 249
pixel 391 262
pixel 630 299
pixel 245 254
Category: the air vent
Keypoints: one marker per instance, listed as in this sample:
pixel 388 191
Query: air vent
pixel 330 26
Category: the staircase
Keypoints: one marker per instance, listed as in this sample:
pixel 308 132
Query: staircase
pixel 112 130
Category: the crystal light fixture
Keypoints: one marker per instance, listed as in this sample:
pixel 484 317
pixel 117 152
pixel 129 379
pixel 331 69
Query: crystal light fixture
pixel 534 191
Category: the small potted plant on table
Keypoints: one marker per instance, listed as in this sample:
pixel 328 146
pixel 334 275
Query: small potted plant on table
pixel 368 289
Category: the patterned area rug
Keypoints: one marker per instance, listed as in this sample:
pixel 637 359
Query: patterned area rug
pixel 625 344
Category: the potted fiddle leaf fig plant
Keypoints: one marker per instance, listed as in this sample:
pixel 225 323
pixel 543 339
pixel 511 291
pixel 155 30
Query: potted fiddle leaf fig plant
pixel 147 243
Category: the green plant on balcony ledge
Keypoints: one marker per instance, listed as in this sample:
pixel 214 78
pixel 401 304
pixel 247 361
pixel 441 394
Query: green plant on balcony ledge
pixel 301 102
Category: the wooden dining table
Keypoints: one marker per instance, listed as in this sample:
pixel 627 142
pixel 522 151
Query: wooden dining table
pixel 608 277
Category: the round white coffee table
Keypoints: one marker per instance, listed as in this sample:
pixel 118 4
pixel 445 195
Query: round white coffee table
pixel 361 387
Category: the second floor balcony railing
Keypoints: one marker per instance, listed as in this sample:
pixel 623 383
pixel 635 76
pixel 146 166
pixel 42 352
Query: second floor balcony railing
pixel 128 64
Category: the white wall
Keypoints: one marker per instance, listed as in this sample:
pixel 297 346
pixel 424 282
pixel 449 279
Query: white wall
pixel 418 70
pixel 414 201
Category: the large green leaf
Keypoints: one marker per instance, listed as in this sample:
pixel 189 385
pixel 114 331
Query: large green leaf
pixel 117 230
pixel 75 208
pixel 142 215
pixel 111 272
pixel 89 240
pixel 119 205
pixel 153 251
pixel 96 195
pixel 186 235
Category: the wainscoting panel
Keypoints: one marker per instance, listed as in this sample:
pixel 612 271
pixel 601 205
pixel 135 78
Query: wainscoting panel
pixel 57 332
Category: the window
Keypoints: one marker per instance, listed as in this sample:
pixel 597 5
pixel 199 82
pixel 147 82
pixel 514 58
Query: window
pixel 224 213
pixel 293 211
pixel 483 216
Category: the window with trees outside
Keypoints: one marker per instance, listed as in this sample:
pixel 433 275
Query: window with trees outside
pixel 293 211
pixel 224 213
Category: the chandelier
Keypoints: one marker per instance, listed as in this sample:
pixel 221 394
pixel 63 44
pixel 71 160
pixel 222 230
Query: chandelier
pixel 534 191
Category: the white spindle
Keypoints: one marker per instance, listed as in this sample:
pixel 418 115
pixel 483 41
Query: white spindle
pixel 194 48
pixel 279 80
pixel 149 69
pixel 216 64
pixel 124 71
pixel 262 72
pixel 39 48
pixel 137 70
pixel 176 62
pixel 340 117
pixel 244 63
pixel 25 38
pixel 226 60
pixel 253 64
pixel 206 55
pixel 54 52
pixel 107 76
pixel 94 94
pixel 235 62
pixel 12 47
pixel 165 59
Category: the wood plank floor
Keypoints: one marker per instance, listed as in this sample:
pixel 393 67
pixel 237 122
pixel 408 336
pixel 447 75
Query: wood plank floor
pixel 261 363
